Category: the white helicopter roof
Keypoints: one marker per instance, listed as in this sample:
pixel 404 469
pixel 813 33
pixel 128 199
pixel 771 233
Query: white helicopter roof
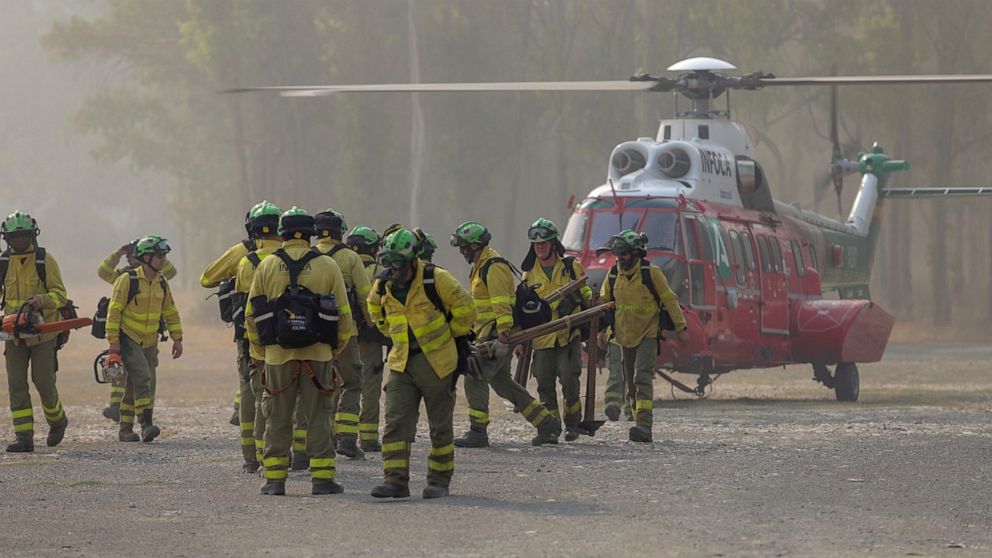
pixel 701 63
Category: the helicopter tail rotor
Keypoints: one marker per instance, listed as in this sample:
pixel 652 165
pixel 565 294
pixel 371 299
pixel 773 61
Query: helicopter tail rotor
pixel 840 165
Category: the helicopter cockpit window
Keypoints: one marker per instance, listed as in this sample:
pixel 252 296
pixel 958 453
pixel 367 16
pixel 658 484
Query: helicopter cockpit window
pixel 575 232
pixel 595 203
pixel 660 227
pixel 607 223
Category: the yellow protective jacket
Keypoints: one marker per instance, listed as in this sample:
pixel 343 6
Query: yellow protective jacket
pixel 109 272
pixel 431 330
pixel 547 285
pixel 352 270
pixel 225 266
pixel 246 271
pixel 494 298
pixel 372 268
pixel 322 276
pixel 636 311
pixel 22 283
pixel 139 318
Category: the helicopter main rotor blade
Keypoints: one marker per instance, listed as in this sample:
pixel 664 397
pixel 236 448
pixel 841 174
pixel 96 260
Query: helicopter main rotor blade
pixel 322 90
pixel 873 80
pixel 936 192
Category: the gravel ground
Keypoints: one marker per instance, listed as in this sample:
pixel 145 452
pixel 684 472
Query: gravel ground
pixel 768 465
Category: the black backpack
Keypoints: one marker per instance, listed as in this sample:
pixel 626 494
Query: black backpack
pixel 665 322
pixel 225 290
pixel 66 312
pixel 529 309
pixel 99 327
pixel 239 301
pixel 299 317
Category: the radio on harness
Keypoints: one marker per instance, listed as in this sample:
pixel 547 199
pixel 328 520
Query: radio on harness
pixel 299 317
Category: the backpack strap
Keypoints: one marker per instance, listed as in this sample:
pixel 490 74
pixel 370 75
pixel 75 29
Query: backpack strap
pixel 646 279
pixel 335 249
pixel 132 285
pixel 249 244
pixel 39 266
pixel 430 289
pixel 569 262
pixel 254 259
pixel 296 266
pixel 4 265
pixel 611 281
pixel 484 270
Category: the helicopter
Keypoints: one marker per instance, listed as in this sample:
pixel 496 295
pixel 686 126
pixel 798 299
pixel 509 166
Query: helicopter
pixel 762 283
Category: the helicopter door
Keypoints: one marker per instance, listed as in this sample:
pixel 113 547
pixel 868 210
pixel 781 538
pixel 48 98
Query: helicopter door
pixel 774 294
pixel 700 256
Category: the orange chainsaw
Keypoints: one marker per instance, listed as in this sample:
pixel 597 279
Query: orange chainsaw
pixel 28 323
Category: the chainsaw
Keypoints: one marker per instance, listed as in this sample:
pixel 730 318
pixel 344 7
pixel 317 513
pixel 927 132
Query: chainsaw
pixel 27 323
pixel 108 368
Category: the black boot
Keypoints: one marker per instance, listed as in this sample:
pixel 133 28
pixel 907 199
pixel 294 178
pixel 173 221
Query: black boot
pixel 21 445
pixel 322 487
pixel 547 433
pixel 127 434
pixel 476 437
pixel 148 430
pixel 387 490
pixel 640 434
pixel 250 467
pixel 273 488
pixel 571 434
pixel 348 448
pixel 370 446
pixel 235 419
pixel 112 412
pixel 56 432
pixel 435 491
pixel 613 414
pixel 300 462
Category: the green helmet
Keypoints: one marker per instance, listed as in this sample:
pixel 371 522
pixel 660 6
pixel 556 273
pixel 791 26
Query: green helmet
pixel 263 218
pixel 296 223
pixel 19 221
pixel 391 229
pixel 330 223
pixel 363 236
pixel 542 230
pixel 470 232
pixel 628 240
pixel 399 249
pixel 150 246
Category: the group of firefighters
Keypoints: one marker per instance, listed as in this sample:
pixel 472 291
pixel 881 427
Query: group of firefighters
pixel 312 321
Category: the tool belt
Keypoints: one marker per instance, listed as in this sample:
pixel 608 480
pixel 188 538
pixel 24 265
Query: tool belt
pixel 302 366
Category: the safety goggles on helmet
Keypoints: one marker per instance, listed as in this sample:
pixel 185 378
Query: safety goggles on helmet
pixel 541 233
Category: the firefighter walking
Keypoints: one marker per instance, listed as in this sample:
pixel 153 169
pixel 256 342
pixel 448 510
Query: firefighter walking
pixel 494 294
pixel 427 315
pixel 31 278
pixel 557 356
pixel 139 301
pixel 109 272
pixel 304 318
pixel 642 296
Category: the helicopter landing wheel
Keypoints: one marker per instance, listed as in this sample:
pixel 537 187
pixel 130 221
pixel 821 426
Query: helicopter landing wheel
pixel 847 384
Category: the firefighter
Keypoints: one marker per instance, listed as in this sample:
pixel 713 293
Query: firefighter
pixel 557 356
pixel 277 316
pixel 224 268
pixel 494 294
pixel 140 299
pixel 365 242
pixel 428 315
pixel 35 282
pixel 109 272
pixel 264 226
pixel 637 322
pixel 331 227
